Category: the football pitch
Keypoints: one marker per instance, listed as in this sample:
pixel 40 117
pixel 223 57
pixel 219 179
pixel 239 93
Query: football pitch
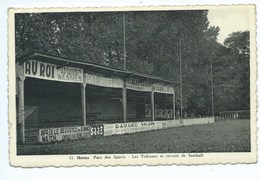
pixel 224 136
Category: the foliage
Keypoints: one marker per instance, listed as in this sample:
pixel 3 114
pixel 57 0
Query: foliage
pixel 232 74
pixel 154 40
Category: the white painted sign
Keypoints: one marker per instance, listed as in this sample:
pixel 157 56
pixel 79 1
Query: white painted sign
pixel 64 133
pixel 133 127
pixel 163 89
pixel 100 80
pixel 137 85
pixel 123 128
pixel 70 133
pixel 53 72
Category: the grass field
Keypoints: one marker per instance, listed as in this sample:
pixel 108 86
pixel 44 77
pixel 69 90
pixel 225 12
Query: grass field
pixel 227 136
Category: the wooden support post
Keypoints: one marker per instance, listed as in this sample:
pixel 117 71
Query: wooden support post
pixel 173 106
pixel 83 101
pixel 124 102
pixel 152 105
pixel 21 118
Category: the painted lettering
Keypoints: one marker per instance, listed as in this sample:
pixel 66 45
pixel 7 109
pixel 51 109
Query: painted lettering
pixel 42 69
pixel 45 139
pixel 34 68
pixel 48 70
pixel 27 67
pixel 52 71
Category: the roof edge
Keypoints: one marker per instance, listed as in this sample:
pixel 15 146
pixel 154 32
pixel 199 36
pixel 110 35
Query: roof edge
pixel 37 54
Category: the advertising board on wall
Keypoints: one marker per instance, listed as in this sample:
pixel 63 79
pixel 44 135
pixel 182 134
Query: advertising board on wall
pixel 48 71
pixel 64 133
pixel 97 130
pixel 100 80
pixel 70 133
pixel 160 88
pixel 135 84
pixel 43 70
pixel 123 128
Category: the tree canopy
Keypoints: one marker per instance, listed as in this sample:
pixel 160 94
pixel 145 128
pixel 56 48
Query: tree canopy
pixel 155 41
pixel 232 73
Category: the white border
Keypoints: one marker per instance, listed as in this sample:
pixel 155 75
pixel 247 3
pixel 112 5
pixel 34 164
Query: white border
pixel 64 160
pixel 160 172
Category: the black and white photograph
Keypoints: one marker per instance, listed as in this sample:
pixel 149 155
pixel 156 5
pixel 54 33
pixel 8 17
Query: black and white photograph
pixel 133 86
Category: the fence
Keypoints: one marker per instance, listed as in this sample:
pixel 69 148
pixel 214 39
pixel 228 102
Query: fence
pixel 229 115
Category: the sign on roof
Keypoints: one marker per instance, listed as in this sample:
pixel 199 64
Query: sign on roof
pixel 42 70
pixel 137 85
pixel 100 80
pixel 160 88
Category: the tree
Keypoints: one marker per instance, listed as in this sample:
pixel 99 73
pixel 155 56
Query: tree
pixel 94 37
pixel 232 74
pixel 152 43
pixel 239 45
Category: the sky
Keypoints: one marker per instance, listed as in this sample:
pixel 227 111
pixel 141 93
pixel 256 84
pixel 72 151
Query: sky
pixel 229 20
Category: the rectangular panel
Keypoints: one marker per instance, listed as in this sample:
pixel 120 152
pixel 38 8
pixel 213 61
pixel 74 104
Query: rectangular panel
pixel 160 88
pixel 109 129
pixel 100 80
pixel 63 133
pixel 42 70
pixel 97 130
pixel 137 85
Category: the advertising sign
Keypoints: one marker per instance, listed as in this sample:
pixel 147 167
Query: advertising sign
pixel 123 128
pixel 81 132
pixel 109 129
pixel 137 85
pixel 158 124
pixel 100 80
pixel 163 89
pixel 97 130
pixel 64 133
pixel 53 72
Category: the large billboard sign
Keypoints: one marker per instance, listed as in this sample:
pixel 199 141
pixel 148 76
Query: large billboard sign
pixel 137 85
pixel 48 71
pixel 160 88
pixel 64 133
pixel 70 133
pixel 100 80
pixel 43 70
pixel 81 132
